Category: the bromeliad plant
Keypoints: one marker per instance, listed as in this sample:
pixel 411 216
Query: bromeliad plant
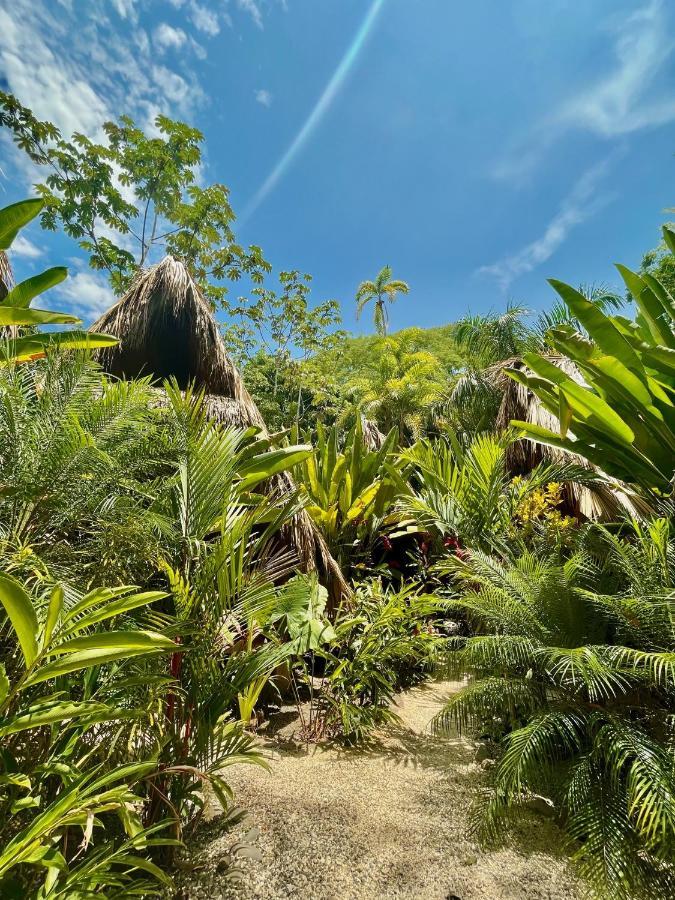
pixel 578 685
pixel 350 489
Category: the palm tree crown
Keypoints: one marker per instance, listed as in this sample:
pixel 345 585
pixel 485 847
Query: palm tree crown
pixel 384 289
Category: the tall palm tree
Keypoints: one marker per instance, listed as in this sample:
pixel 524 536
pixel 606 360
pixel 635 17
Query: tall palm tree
pixel 384 289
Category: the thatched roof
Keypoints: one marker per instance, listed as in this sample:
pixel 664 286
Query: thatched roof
pixel 603 501
pixel 6 276
pixel 167 329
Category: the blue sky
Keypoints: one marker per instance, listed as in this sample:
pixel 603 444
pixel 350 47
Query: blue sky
pixel 477 147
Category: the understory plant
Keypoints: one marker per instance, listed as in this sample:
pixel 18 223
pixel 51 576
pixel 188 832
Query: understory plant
pixel 70 693
pixel 572 664
pixel 383 641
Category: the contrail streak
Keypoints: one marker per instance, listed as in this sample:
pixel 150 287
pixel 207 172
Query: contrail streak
pixel 322 106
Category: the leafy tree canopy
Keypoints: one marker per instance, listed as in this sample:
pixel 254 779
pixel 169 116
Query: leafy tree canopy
pixel 126 198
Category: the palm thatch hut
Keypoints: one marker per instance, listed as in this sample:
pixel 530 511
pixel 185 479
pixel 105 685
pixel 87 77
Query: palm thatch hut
pixel 167 329
pixel 603 500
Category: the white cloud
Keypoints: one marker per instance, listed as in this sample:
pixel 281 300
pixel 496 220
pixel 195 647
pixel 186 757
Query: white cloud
pixel 21 246
pixel 253 9
pixel 631 96
pixel 126 9
pixel 579 205
pixel 174 86
pixel 48 83
pixel 263 97
pixel 103 73
pixel 166 37
pixel 619 102
pixel 204 19
pixel 87 294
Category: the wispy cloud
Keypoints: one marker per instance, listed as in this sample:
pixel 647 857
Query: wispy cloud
pixel 21 246
pixel 629 97
pixel 204 19
pixel 86 293
pixel 263 97
pixel 253 9
pixel 582 202
pixel 104 71
pixel 166 37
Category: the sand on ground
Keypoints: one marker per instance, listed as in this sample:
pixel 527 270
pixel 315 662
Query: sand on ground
pixel 388 821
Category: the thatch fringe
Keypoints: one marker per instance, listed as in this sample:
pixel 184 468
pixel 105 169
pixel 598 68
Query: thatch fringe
pixel 300 533
pixel 167 329
pixel 602 501
pixel 372 436
pixel 6 276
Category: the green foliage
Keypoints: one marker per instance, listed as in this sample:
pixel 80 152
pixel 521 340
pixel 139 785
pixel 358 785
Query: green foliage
pixel 52 783
pixel 87 191
pixel 380 292
pixel 15 310
pixel 466 493
pixel 579 685
pixel 398 388
pixel 275 335
pixel 623 417
pixel 382 641
pixel 349 489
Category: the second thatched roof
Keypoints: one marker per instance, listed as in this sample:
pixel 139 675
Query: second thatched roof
pixel 603 500
pixel 166 329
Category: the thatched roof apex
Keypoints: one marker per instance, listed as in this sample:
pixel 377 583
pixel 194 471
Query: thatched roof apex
pixel 167 329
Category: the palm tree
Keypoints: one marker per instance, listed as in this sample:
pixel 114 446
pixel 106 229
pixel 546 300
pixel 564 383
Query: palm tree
pixel 383 289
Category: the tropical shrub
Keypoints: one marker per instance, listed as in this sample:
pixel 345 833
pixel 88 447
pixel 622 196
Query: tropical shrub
pixel 578 685
pixel 464 494
pixel 349 489
pixel 382 642
pixel 622 418
pixel 60 718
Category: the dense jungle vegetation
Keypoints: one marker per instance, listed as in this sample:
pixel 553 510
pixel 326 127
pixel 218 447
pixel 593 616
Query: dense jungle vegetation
pixel 497 494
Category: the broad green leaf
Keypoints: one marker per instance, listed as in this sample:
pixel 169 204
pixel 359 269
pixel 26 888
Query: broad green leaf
pixel 85 659
pixel 564 414
pixel 21 614
pixel 267 464
pixel 669 238
pixel 649 305
pixel 117 640
pixel 36 346
pixel 23 293
pixel 598 325
pixel 16 315
pixel 14 217
pixel 363 501
pixel 51 713
pixel 54 610
pixel 582 400
pixel 116 608
pixel 95 597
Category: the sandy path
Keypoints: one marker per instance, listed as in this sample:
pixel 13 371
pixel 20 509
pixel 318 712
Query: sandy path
pixel 389 822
